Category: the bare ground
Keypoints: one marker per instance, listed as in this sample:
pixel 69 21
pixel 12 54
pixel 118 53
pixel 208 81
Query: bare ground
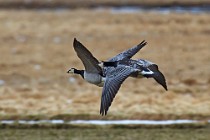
pixel 36 51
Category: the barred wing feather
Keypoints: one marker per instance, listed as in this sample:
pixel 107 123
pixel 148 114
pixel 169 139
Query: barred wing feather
pixel 128 53
pixel 114 79
pixel 88 60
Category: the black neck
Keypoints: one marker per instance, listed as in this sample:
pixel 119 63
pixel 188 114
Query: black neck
pixel 80 72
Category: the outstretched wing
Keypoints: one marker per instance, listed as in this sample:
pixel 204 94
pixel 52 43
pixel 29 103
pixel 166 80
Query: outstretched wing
pixel 128 53
pixel 88 60
pixel 158 76
pixel 114 79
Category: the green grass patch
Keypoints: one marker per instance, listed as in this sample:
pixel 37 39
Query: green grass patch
pixel 106 133
pixel 108 117
pixel 46 125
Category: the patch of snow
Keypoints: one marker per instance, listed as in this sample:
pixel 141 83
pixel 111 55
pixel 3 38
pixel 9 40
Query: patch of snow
pixel 7 121
pixel 162 10
pixel 69 101
pixel 57 121
pixel 57 40
pixel 146 122
pixel 2 82
pixel 103 122
pixel 72 80
pixel 37 67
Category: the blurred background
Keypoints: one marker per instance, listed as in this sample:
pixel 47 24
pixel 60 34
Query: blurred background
pixel 36 38
pixel 36 51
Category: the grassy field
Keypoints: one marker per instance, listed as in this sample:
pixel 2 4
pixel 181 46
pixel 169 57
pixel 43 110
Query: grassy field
pixel 104 134
pixel 36 51
pixel 198 131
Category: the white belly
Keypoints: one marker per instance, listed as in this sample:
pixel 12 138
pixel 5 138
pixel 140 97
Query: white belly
pixel 93 78
pixel 102 82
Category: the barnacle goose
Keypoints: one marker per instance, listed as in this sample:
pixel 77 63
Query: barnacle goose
pixel 141 68
pixel 93 72
pixel 111 74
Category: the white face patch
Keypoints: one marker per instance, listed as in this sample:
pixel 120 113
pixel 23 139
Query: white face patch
pixel 146 72
pixel 71 71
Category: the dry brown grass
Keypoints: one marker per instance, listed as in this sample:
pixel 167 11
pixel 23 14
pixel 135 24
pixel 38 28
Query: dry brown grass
pixel 36 51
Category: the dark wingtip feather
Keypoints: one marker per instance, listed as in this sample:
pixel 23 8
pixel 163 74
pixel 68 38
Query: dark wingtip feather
pixel 165 87
pixel 103 113
pixel 143 43
pixel 159 77
pixel 75 42
pixel 102 109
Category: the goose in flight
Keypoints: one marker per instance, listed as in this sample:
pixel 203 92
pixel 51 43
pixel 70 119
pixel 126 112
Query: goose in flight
pixel 93 72
pixel 116 72
pixel 143 68
pixel 111 75
pixel 147 69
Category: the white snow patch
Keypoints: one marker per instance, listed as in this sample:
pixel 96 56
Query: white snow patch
pixel 7 121
pixel 147 122
pixel 2 82
pixel 103 122
pixel 72 80
pixel 57 39
pixel 37 67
